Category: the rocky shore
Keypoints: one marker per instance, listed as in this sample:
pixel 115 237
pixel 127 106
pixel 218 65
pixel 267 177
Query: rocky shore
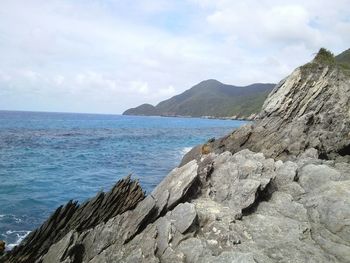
pixel 74 217
pixel 276 190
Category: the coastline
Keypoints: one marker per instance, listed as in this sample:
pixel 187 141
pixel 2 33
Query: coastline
pixel 122 141
pixel 232 118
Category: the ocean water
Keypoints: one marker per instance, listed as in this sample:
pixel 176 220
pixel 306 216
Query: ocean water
pixel 46 159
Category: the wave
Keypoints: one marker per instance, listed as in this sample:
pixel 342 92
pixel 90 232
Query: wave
pixel 10 216
pixel 20 235
pixel 185 150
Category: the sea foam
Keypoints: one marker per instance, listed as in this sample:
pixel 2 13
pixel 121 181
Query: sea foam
pixel 20 236
pixel 185 150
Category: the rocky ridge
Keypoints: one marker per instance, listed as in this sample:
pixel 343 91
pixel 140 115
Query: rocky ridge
pixel 277 190
pixel 308 109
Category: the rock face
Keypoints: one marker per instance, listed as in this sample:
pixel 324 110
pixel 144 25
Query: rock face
pixel 238 207
pixel 308 109
pixel 123 196
pixel 2 247
pixel 277 190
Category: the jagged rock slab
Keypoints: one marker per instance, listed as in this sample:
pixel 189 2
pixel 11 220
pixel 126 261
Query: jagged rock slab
pixel 239 207
pixel 111 239
pixel 123 196
pixel 308 109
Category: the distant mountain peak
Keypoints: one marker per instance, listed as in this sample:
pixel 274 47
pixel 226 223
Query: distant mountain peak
pixel 343 59
pixel 210 82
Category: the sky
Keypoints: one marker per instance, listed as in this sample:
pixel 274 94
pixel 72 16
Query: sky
pixel 105 56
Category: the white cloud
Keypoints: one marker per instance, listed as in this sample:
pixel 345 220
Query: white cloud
pixel 108 55
pixel 58 80
pixel 4 77
pixel 272 23
pixel 140 87
pixel 169 91
pixel 30 74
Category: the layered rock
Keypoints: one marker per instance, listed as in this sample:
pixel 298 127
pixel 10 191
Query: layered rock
pixel 238 207
pixel 308 109
pixel 122 197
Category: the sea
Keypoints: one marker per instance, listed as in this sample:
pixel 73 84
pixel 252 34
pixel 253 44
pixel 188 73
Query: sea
pixel 47 159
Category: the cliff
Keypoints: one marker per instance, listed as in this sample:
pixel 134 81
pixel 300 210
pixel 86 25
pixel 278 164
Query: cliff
pixel 210 98
pixel 308 109
pixel 277 190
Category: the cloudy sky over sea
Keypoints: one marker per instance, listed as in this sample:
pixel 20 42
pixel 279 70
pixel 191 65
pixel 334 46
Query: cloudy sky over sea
pixel 108 55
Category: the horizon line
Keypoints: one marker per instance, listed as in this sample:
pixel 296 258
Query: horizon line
pixel 67 112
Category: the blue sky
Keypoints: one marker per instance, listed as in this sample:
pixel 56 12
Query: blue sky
pixel 108 55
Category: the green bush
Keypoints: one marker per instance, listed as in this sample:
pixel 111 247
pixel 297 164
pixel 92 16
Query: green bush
pixel 324 56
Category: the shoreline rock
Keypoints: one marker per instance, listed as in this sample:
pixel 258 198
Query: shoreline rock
pixel 122 197
pixel 223 208
pixel 309 109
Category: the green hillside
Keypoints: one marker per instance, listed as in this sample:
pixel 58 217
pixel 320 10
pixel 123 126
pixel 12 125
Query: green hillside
pixel 343 59
pixel 210 98
pixel 144 110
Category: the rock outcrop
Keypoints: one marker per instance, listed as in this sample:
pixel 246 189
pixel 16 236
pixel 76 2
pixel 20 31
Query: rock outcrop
pixel 277 190
pixel 238 207
pixel 122 197
pixel 308 109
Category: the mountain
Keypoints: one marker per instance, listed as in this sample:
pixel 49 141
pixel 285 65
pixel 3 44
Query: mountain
pixel 343 59
pixel 144 110
pixel 210 98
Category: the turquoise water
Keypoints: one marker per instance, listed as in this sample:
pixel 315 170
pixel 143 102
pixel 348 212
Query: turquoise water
pixel 47 159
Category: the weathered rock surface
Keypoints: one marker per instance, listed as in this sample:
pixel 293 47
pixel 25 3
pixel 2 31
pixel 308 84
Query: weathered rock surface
pixel 123 196
pixel 239 207
pixel 308 109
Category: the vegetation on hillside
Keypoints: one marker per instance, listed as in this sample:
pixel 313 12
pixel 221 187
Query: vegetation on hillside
pixel 343 60
pixel 210 98
pixel 324 56
pixel 213 98
pixel 144 109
